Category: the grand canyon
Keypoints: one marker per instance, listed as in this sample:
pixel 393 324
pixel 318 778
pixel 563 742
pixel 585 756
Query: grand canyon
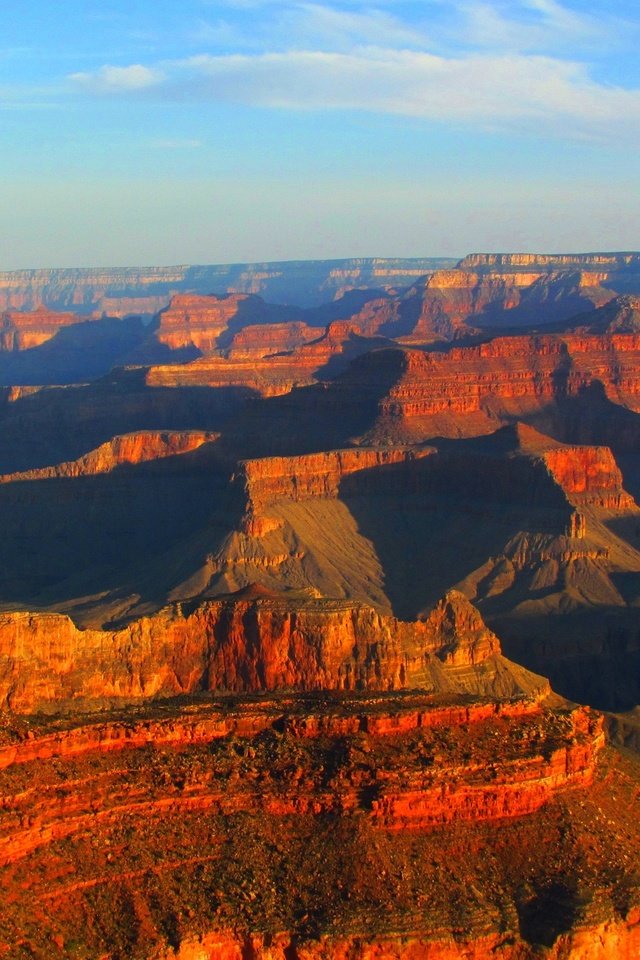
pixel 319 610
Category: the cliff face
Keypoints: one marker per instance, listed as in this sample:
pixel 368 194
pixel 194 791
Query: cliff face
pixel 620 315
pixel 589 476
pixel 249 362
pixel 450 304
pixel 24 330
pixel 258 341
pixel 521 373
pixel 550 261
pixel 121 451
pixel 200 323
pixel 317 475
pixel 371 827
pixel 306 283
pixel 45 661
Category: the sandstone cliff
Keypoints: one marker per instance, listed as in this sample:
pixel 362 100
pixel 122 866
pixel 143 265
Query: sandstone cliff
pixel 250 363
pixel 121 451
pixel 307 283
pixel 306 828
pixel 24 330
pixel 553 261
pixel 509 376
pixel 252 645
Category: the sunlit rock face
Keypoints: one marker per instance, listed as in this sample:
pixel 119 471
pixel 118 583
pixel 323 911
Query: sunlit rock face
pixel 278 600
pixel 319 826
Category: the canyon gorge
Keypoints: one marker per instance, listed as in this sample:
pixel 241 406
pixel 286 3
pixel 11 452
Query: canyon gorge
pixel 319 610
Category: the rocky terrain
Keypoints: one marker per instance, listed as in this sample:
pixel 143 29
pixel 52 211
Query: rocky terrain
pixel 177 832
pixel 147 289
pixel 280 591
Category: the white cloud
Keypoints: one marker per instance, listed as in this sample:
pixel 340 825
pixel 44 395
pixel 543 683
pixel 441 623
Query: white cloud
pixel 536 25
pixel 315 24
pixel 550 95
pixel 109 79
pixel 306 25
pixel 498 73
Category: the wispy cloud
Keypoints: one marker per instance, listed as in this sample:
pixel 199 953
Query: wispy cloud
pixel 109 79
pixel 506 68
pixel 530 25
pixel 552 96
pixel 307 25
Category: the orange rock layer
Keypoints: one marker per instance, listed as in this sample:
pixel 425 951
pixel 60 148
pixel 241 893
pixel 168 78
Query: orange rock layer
pixel 197 321
pixel 388 827
pixel 129 449
pixel 558 751
pixel 317 474
pixel 589 476
pixel 527 370
pixel 28 329
pixel 46 662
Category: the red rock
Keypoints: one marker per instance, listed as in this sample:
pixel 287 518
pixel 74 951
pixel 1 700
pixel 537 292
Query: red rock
pixel 259 645
pixel 129 449
pixel 25 330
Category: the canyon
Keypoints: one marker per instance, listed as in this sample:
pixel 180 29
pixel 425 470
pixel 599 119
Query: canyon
pixel 314 581
pixel 362 806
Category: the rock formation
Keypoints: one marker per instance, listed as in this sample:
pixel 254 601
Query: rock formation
pixel 246 646
pixel 120 451
pixel 252 704
pixel 304 283
pixel 377 825
pixel 23 330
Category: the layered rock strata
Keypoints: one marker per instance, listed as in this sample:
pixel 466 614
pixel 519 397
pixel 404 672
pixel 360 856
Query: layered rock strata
pixel 321 474
pixel 249 363
pixel 307 283
pixel 127 450
pixel 309 828
pixel 46 662
pixel 550 261
pixel 507 376
pixel 25 330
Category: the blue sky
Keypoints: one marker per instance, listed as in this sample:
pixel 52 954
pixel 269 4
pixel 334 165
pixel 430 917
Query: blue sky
pixel 202 131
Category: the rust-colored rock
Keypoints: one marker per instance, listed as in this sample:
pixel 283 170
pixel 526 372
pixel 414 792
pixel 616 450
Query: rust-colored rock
pixel 371 827
pixel 243 645
pixel 130 449
pixel 200 322
pixel 317 474
pixel 28 329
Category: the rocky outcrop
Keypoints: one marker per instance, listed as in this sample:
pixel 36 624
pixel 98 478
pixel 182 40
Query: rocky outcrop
pixel 550 261
pixel 589 476
pixel 557 752
pixel 306 283
pixel 236 645
pixel 450 304
pixel 620 315
pixel 263 340
pixel 132 448
pixel 512 374
pixel 255 368
pixel 319 474
pixel 302 828
pixel 200 323
pixel 28 329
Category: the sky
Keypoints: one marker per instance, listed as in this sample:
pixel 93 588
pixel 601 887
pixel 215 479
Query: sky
pixel 166 132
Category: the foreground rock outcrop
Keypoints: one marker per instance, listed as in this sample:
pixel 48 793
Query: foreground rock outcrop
pixel 244 645
pixel 309 828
